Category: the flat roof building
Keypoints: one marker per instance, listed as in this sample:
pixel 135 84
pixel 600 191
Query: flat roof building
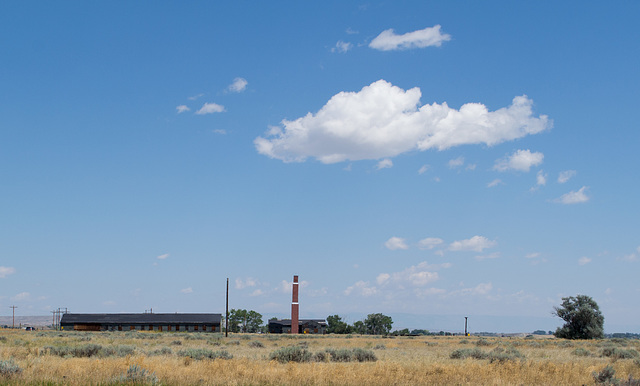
pixel 142 322
pixel 305 326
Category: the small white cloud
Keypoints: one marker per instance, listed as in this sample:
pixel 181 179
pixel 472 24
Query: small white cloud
pixel 210 108
pixel 257 292
pixel 22 296
pixel 6 271
pixel 219 131
pixel 396 243
pixel 493 255
pixel 238 85
pixel 541 178
pixel 493 183
pixel 584 260
pixel 629 258
pixel 573 197
pixel 361 288
pixel 383 278
pixel 187 290
pixel 423 169
pixel 342 47
pixel 193 98
pixel 351 31
pixel 248 282
pixel 383 121
pixel 470 167
pixel 566 176
pixel 429 243
pixel 162 257
pixel 182 108
pixel 532 255
pixel 384 164
pixel 480 289
pixel 475 244
pixel 388 40
pixel 521 160
pixel 456 163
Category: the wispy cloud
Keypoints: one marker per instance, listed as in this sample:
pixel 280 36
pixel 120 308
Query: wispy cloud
pixel 584 260
pixel 396 243
pixel 423 169
pixel 193 98
pixel 430 243
pixel 384 164
pixel 493 183
pixel 342 47
pixel 22 296
pixel 238 85
pixel 6 271
pixel 210 108
pixel 182 109
pixel 541 178
pixel 388 40
pixel 162 257
pixel 244 283
pixel 187 290
pixel 475 244
pixel 574 197
pixel 456 163
pixel 383 121
pixel 566 176
pixel 521 160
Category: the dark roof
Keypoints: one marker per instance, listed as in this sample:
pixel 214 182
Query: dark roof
pixel 141 318
pixel 287 322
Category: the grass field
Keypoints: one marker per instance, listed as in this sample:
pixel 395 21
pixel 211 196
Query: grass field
pixel 105 358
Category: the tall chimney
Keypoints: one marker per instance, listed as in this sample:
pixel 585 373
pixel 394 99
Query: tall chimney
pixel 294 306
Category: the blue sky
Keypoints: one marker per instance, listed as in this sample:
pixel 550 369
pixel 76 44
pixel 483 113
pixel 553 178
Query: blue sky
pixel 418 159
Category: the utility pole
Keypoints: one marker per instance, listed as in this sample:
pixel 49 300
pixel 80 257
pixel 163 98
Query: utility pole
pixel 226 318
pixel 13 308
pixel 465 326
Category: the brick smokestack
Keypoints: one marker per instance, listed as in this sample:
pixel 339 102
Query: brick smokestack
pixel 294 306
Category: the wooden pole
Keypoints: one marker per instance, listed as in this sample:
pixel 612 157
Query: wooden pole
pixel 13 324
pixel 226 318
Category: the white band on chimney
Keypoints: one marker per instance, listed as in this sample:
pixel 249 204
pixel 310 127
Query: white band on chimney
pixel 294 303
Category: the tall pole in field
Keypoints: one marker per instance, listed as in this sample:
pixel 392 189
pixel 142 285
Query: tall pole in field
pixel 13 324
pixel 465 326
pixel 226 318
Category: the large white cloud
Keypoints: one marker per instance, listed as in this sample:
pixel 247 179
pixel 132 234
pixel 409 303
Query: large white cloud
pixel 382 121
pixel 521 160
pixel 388 40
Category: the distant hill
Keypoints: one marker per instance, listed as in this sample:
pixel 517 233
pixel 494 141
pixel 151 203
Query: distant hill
pixel 35 321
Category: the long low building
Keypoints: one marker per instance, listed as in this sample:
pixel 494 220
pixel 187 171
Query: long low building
pixel 305 326
pixel 142 322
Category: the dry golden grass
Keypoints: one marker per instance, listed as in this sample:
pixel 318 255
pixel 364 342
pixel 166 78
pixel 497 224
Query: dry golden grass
pixel 401 360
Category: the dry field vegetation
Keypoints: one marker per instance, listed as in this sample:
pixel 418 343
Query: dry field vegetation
pixel 113 358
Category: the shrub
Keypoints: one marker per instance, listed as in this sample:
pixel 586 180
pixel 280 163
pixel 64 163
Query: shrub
pixel 161 351
pixel 341 355
pixel 362 355
pixel 291 354
pixel 483 342
pixel 463 353
pixel 8 369
pixel 119 351
pixel 203 353
pixel 617 353
pixel 379 347
pixel 137 375
pixel 256 344
pixel 501 355
pixel 605 376
pixel 581 352
pixel 86 351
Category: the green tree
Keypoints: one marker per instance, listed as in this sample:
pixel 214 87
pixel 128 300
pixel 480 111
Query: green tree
pixel 359 327
pixel 335 325
pixel 244 321
pixel 582 316
pixel 378 324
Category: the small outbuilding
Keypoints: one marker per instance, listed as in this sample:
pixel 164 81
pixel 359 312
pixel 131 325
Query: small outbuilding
pixel 305 326
pixel 142 322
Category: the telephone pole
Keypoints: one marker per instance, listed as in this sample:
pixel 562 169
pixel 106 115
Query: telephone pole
pixel 226 318
pixel 13 323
